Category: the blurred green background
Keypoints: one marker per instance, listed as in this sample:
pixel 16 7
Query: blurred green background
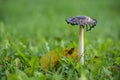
pixel 34 24
pixel 46 19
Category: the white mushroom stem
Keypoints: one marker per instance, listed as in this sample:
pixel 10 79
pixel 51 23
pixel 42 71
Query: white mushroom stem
pixel 81 45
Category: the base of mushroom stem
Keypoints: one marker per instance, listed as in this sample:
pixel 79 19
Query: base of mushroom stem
pixel 81 60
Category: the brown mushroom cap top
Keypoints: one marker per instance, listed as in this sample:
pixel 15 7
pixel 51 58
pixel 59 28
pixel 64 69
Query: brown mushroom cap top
pixel 82 21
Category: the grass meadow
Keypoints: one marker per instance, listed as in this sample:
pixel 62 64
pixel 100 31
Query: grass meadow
pixel 29 29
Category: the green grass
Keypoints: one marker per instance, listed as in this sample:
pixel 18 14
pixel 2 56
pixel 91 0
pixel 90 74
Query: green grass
pixel 27 26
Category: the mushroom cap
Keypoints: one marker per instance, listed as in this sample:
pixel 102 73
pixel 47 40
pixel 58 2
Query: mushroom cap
pixel 82 21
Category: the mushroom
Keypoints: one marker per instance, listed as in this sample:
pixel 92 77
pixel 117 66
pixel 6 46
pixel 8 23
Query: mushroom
pixel 82 21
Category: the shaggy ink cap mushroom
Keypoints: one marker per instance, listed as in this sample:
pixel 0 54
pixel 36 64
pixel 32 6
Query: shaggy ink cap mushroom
pixel 82 21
